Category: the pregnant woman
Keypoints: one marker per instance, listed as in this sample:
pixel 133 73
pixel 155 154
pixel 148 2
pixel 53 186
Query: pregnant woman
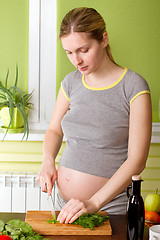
pixel 104 112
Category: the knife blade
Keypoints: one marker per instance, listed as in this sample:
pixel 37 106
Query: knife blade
pixel 53 203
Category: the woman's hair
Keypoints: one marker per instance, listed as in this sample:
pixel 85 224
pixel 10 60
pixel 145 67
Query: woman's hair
pixel 86 20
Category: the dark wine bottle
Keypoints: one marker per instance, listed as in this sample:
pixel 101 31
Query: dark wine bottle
pixel 135 211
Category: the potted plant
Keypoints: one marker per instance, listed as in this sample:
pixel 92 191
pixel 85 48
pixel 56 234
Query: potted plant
pixel 14 107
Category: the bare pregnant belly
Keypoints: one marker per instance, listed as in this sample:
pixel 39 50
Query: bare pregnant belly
pixel 75 184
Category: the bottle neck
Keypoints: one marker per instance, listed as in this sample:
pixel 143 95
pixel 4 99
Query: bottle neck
pixel 136 186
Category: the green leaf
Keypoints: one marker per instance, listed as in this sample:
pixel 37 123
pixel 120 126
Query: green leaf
pixel 22 110
pixel 7 92
pixel 15 90
pixel 1 225
pixel 1 84
pixel 5 232
pixel 16 223
pixel 27 98
pixel 6 81
pixel 91 220
pixel 35 237
pixel 16 80
pixel 20 230
pixel 11 111
pixel 13 230
pixel 22 238
pixel 2 95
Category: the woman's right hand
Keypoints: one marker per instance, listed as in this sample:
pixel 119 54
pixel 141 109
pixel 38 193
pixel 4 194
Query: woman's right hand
pixel 47 176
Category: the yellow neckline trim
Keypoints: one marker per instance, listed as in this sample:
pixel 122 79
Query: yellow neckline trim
pixel 104 88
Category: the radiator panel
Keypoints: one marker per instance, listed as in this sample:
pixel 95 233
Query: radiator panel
pixel 19 192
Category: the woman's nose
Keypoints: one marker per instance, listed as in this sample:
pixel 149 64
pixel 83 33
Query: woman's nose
pixel 78 60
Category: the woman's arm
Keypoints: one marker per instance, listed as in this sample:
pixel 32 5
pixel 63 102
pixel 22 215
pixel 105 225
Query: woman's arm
pixel 52 143
pixel 140 129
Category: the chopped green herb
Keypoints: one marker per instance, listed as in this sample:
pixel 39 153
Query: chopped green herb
pixel 86 220
pixel 91 220
pixel 52 220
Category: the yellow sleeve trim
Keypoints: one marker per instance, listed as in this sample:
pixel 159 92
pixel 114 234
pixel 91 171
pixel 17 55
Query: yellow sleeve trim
pixel 65 93
pixel 142 92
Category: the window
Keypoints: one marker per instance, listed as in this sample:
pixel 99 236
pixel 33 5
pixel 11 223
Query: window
pixel 42 60
pixel 42 67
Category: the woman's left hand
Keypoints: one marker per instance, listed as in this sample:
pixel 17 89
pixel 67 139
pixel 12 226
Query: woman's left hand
pixel 74 209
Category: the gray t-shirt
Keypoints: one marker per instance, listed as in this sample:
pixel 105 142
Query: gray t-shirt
pixel 96 126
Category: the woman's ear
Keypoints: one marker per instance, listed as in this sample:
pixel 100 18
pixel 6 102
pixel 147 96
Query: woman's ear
pixel 105 39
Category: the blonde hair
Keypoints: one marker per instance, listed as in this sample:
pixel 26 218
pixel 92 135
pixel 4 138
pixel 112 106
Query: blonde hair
pixel 86 20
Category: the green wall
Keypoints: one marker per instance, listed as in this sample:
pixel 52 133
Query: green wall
pixel 133 28
pixel 134 34
pixel 14 40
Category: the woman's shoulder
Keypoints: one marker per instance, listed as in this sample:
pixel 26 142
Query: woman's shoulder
pixel 70 82
pixel 134 84
pixel 134 79
pixel 73 77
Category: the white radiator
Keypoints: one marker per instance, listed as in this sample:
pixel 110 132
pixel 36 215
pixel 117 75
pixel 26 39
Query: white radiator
pixel 20 192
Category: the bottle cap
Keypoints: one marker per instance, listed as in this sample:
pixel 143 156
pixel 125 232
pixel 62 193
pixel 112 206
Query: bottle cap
pixel 136 177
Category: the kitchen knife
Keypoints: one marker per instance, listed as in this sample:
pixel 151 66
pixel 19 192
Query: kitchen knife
pixel 53 203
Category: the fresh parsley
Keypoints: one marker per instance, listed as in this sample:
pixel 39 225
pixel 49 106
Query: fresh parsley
pixel 91 220
pixel 52 220
pixel 86 220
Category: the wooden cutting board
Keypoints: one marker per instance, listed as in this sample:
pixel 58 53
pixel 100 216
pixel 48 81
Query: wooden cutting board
pixel 37 219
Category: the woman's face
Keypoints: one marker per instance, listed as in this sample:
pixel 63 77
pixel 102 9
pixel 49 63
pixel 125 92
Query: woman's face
pixel 85 53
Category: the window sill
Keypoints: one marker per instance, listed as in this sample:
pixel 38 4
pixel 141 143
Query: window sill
pixel 38 135
pixel 34 135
